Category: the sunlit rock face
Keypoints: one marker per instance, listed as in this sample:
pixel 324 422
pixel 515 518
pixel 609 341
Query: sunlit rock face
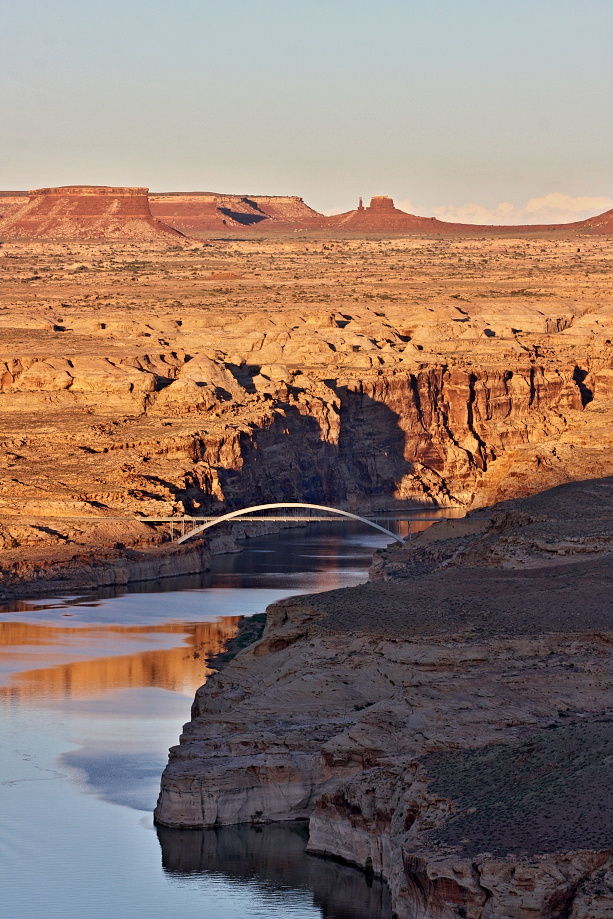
pixel 139 380
pixel 601 223
pixel 382 216
pixel 447 726
pixel 85 212
pixel 210 213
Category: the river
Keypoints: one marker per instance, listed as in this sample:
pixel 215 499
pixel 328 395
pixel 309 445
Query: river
pixel 93 691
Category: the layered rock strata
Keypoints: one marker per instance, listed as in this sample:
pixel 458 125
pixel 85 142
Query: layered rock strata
pixel 11 201
pixel 85 212
pixel 146 381
pixel 447 726
pixel 214 214
pixel 218 215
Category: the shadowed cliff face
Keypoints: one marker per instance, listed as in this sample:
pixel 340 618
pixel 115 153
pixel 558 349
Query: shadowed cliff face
pixel 429 436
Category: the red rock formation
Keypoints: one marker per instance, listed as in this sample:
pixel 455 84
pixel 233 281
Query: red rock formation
pixel 602 223
pixel 195 212
pixel 11 201
pixel 85 212
pixel 383 217
pixel 212 213
pixel 207 212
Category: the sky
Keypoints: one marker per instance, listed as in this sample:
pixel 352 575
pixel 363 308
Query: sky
pixel 479 110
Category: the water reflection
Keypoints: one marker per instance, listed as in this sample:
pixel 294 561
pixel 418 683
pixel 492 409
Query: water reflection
pixel 179 669
pixel 95 689
pixel 273 857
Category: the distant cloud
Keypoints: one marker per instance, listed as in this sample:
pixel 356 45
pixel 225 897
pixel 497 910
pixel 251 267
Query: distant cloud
pixel 553 208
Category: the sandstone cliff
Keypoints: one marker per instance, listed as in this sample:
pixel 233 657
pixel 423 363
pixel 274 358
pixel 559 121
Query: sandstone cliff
pixel 11 201
pixel 215 214
pixel 85 212
pixel 447 726
pixel 227 215
pixel 146 381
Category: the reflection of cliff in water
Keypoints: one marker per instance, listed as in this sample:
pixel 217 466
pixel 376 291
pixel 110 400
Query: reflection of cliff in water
pixel 180 669
pixel 273 857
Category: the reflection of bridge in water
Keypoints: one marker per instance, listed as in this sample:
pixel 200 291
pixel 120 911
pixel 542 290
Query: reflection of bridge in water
pixel 188 527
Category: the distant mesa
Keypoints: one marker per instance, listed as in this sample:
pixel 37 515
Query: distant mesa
pixel 84 212
pixel 101 212
pixel 209 212
pixel 382 203
pixel 382 215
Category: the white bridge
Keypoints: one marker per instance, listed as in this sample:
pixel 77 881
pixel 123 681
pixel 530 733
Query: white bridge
pixel 194 526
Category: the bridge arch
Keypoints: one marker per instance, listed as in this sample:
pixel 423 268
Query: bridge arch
pixel 265 507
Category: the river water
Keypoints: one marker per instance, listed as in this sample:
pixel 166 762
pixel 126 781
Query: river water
pixel 93 691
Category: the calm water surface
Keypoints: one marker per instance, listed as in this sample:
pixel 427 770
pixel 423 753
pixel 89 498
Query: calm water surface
pixel 93 691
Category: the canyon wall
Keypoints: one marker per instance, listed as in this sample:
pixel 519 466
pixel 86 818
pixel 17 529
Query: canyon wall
pixel 447 726
pixel 136 382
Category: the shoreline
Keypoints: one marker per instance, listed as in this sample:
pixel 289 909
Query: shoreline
pixel 397 716
pixel 103 567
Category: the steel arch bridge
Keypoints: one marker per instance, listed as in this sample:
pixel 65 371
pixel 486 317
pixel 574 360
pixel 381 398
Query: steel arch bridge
pixel 233 515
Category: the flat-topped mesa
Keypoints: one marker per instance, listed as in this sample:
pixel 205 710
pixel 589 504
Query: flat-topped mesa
pixel 209 212
pixel 382 203
pixel 86 212
pixel 11 201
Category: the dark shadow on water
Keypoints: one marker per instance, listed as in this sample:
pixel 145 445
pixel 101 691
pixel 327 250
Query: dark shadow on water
pixel 274 856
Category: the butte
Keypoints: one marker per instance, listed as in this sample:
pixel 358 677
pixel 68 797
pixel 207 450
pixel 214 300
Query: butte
pixel 86 212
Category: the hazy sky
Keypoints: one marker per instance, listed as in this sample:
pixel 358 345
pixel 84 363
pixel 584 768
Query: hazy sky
pixel 447 105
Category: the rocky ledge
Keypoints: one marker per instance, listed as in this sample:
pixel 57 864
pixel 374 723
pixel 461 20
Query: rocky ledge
pixel 447 726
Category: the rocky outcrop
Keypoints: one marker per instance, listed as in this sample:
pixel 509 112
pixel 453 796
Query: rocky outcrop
pixel 448 726
pixel 11 201
pixel 91 569
pixel 382 217
pixel 210 213
pixel 85 212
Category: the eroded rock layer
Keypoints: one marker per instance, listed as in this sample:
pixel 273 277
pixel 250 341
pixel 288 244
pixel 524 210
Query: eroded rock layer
pixel 210 213
pixel 85 212
pixel 139 380
pixel 448 726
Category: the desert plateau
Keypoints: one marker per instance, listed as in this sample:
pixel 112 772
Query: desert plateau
pixel 446 726
pixel 148 377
